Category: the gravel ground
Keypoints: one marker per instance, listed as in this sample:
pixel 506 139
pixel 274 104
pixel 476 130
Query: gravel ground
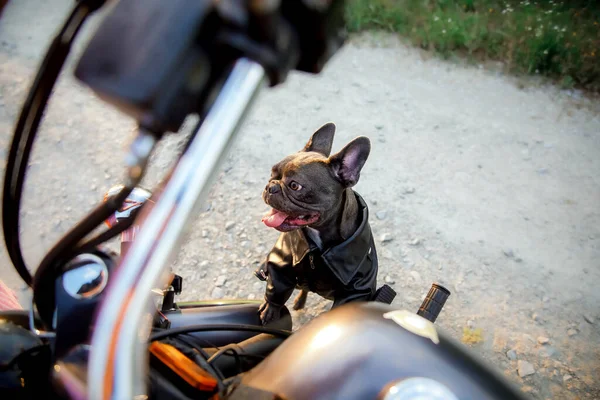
pixel 480 182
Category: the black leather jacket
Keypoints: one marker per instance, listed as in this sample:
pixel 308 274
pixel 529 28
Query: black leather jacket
pixel 343 273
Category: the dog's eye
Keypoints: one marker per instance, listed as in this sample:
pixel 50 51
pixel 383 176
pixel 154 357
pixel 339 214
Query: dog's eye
pixel 295 185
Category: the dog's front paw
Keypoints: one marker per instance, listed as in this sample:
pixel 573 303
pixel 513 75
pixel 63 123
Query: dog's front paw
pixel 269 312
pixel 300 300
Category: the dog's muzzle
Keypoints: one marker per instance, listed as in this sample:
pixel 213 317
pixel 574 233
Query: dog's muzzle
pixel 273 187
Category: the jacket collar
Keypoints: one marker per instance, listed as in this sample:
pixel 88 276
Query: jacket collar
pixel 343 259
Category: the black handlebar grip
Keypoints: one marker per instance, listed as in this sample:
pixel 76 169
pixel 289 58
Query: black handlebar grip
pixel 434 302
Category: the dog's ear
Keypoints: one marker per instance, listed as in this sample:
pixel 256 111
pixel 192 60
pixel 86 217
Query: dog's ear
pixel 348 162
pixel 321 140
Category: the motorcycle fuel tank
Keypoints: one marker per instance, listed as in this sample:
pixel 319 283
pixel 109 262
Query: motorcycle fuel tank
pixel 373 351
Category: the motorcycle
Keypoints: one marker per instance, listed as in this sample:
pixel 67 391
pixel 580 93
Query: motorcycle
pixel 103 325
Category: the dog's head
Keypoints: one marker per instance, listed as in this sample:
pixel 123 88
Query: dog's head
pixel 306 188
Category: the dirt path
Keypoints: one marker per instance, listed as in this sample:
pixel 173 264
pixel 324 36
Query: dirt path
pixel 489 189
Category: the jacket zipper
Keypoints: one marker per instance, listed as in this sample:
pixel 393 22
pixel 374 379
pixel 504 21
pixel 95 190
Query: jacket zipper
pixel 311 258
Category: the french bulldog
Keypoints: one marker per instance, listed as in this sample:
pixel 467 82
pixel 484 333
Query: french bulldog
pixel 326 245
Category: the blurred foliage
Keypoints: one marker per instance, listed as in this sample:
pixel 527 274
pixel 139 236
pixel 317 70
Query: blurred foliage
pixel 557 39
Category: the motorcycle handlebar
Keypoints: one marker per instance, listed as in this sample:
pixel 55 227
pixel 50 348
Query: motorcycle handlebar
pixel 118 358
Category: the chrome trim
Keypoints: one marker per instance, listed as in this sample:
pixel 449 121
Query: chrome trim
pixel 32 328
pixel 125 315
pixel 87 277
pixel 417 388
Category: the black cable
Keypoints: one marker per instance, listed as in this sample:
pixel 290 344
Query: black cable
pixel 205 356
pixel 195 341
pixel 46 273
pixel 224 350
pixel 25 132
pixel 108 234
pixel 202 362
pixel 219 327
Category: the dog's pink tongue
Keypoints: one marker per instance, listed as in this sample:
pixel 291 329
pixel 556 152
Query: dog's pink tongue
pixel 274 218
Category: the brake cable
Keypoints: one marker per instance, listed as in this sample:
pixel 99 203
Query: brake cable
pixel 27 128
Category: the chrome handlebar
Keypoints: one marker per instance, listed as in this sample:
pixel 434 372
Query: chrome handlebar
pixel 118 361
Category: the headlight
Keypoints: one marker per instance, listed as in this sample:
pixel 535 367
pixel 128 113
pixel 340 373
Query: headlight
pixel 417 389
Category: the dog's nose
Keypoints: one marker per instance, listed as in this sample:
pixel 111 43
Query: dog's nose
pixel 273 188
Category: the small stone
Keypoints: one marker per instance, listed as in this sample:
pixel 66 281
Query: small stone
pixel 572 332
pixel 408 190
pixel 518 259
pixel 386 237
pixel 374 202
pixel 378 127
pixel 547 351
pixel 567 378
pixel 220 281
pixel 229 225
pixel 545 299
pixel 471 323
pixel 381 214
pixel 217 293
pixel 251 296
pixel 543 340
pixel 381 139
pixel 508 253
pixel 535 317
pixel 415 275
pixel 204 233
pixel 317 107
pixel 589 319
pixel 525 368
pixel 388 279
pixel 415 242
pixel 511 354
pixel 204 264
pixel 206 207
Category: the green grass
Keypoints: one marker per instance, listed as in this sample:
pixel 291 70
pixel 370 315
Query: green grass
pixel 557 39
